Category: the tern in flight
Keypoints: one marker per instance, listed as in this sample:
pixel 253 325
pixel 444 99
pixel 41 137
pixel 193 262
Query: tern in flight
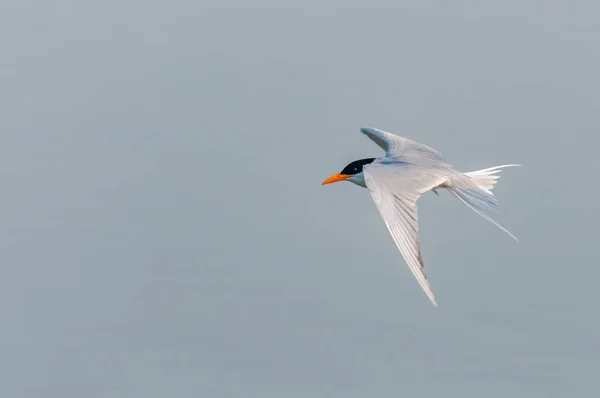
pixel 407 171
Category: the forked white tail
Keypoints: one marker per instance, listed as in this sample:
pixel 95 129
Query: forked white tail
pixel 474 189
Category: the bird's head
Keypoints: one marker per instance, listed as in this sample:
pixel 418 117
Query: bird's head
pixel 353 172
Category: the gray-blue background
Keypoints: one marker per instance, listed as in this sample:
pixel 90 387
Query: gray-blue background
pixel 164 232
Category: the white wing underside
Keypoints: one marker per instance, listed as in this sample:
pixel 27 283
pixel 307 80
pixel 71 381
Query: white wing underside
pixel 395 189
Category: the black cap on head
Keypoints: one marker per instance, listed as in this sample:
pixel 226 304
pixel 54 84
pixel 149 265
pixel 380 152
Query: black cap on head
pixel 356 166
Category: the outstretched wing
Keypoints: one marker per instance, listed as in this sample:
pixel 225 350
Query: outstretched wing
pixel 395 189
pixel 405 149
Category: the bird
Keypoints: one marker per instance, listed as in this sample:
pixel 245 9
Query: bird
pixel 399 178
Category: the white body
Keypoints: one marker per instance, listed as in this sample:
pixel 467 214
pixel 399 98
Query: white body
pixel 409 169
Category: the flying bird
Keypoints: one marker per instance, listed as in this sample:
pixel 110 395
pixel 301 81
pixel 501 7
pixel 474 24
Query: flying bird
pixel 397 180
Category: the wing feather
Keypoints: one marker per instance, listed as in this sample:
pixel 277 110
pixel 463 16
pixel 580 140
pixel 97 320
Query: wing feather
pixel 395 189
pixel 403 149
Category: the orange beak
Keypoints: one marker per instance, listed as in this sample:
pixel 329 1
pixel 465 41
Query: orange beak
pixel 336 178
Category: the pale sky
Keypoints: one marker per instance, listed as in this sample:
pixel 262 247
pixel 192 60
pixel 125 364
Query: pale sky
pixel 164 231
